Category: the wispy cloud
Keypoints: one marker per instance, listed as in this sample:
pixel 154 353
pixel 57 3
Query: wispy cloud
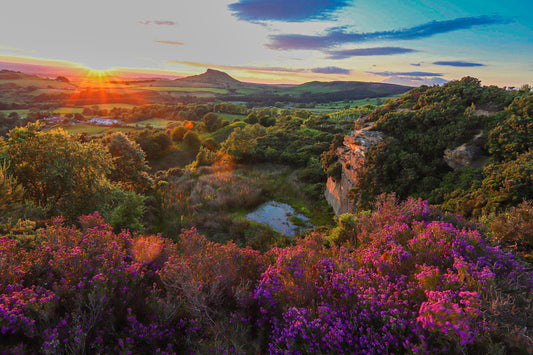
pixel 15 50
pixel 157 22
pixel 174 43
pixel 324 70
pixel 409 73
pixel 459 64
pixel 285 10
pixel 416 64
pixel 347 53
pixel 331 70
pixel 337 36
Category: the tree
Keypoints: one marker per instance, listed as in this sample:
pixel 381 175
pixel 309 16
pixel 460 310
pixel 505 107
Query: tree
pixel 11 194
pixel 58 172
pixel 178 133
pixel 212 121
pixel 192 140
pixel 130 167
pixel 241 142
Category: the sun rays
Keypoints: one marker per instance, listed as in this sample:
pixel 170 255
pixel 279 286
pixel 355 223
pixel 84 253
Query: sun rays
pixel 104 87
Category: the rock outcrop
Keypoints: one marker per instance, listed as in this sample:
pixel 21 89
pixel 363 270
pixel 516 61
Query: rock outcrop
pixel 461 156
pixel 351 156
pixel 467 154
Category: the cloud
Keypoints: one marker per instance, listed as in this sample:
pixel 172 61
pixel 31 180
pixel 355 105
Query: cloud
pixel 347 53
pixel 459 64
pixel 337 36
pixel 412 78
pixel 416 64
pixel 237 67
pixel 415 81
pixel 325 70
pixel 409 73
pixel 331 70
pixel 171 42
pixel 285 10
pixel 167 23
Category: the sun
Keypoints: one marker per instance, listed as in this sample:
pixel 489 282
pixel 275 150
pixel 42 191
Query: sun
pixel 99 75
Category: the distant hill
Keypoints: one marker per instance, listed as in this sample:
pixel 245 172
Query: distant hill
pixel 211 76
pixel 16 75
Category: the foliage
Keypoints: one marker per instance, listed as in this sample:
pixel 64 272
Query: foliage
pixel 426 121
pixel 241 143
pixel 57 171
pixel 192 140
pixel 11 196
pixel 335 171
pixel 212 121
pixel 129 163
pixel 153 142
pixel 128 211
pixel 178 133
pixel 514 135
pixel 514 226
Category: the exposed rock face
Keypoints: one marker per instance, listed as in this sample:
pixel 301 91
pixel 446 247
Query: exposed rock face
pixel 351 155
pixel 465 154
pixel 461 156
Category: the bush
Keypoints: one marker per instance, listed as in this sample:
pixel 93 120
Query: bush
pixel 178 133
pixel 192 140
pixel 335 171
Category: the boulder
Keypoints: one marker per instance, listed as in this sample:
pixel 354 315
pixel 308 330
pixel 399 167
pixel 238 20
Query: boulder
pixel 464 155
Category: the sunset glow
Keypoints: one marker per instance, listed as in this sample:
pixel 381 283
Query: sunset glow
pixel 404 42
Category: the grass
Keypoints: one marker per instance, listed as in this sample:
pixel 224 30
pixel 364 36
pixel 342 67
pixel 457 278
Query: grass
pixel 64 109
pixel 340 105
pixel 183 89
pixel 90 129
pixel 23 112
pixel 154 122
pixel 231 116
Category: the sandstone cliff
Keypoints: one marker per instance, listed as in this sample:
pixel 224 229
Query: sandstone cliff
pixel 351 156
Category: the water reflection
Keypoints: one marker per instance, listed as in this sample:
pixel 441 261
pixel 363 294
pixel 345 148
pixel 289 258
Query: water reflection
pixel 280 217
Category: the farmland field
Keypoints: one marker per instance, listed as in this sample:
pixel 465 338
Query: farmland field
pixel 91 130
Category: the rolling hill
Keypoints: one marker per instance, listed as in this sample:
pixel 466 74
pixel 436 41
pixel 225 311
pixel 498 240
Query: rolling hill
pixel 23 90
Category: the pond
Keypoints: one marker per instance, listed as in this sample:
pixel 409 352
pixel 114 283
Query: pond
pixel 280 217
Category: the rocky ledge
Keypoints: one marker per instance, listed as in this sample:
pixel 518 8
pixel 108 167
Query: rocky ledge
pixel 351 155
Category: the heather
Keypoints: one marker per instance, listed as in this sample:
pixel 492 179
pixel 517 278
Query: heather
pixel 409 279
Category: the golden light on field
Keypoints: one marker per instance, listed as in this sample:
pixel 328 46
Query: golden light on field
pixel 104 87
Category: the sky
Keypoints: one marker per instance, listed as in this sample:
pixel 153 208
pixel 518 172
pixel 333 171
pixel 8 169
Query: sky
pixel 279 41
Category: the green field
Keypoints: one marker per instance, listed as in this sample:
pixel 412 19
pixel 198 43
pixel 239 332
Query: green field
pixel 183 89
pixel 90 129
pixel 341 105
pixel 153 122
pixel 231 116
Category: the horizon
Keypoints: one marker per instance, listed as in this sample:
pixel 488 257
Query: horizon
pixel 274 42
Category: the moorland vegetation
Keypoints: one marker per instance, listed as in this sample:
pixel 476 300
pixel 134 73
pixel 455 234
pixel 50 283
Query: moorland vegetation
pixel 137 241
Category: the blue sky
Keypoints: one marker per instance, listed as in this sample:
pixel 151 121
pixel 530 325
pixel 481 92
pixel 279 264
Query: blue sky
pixel 280 41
